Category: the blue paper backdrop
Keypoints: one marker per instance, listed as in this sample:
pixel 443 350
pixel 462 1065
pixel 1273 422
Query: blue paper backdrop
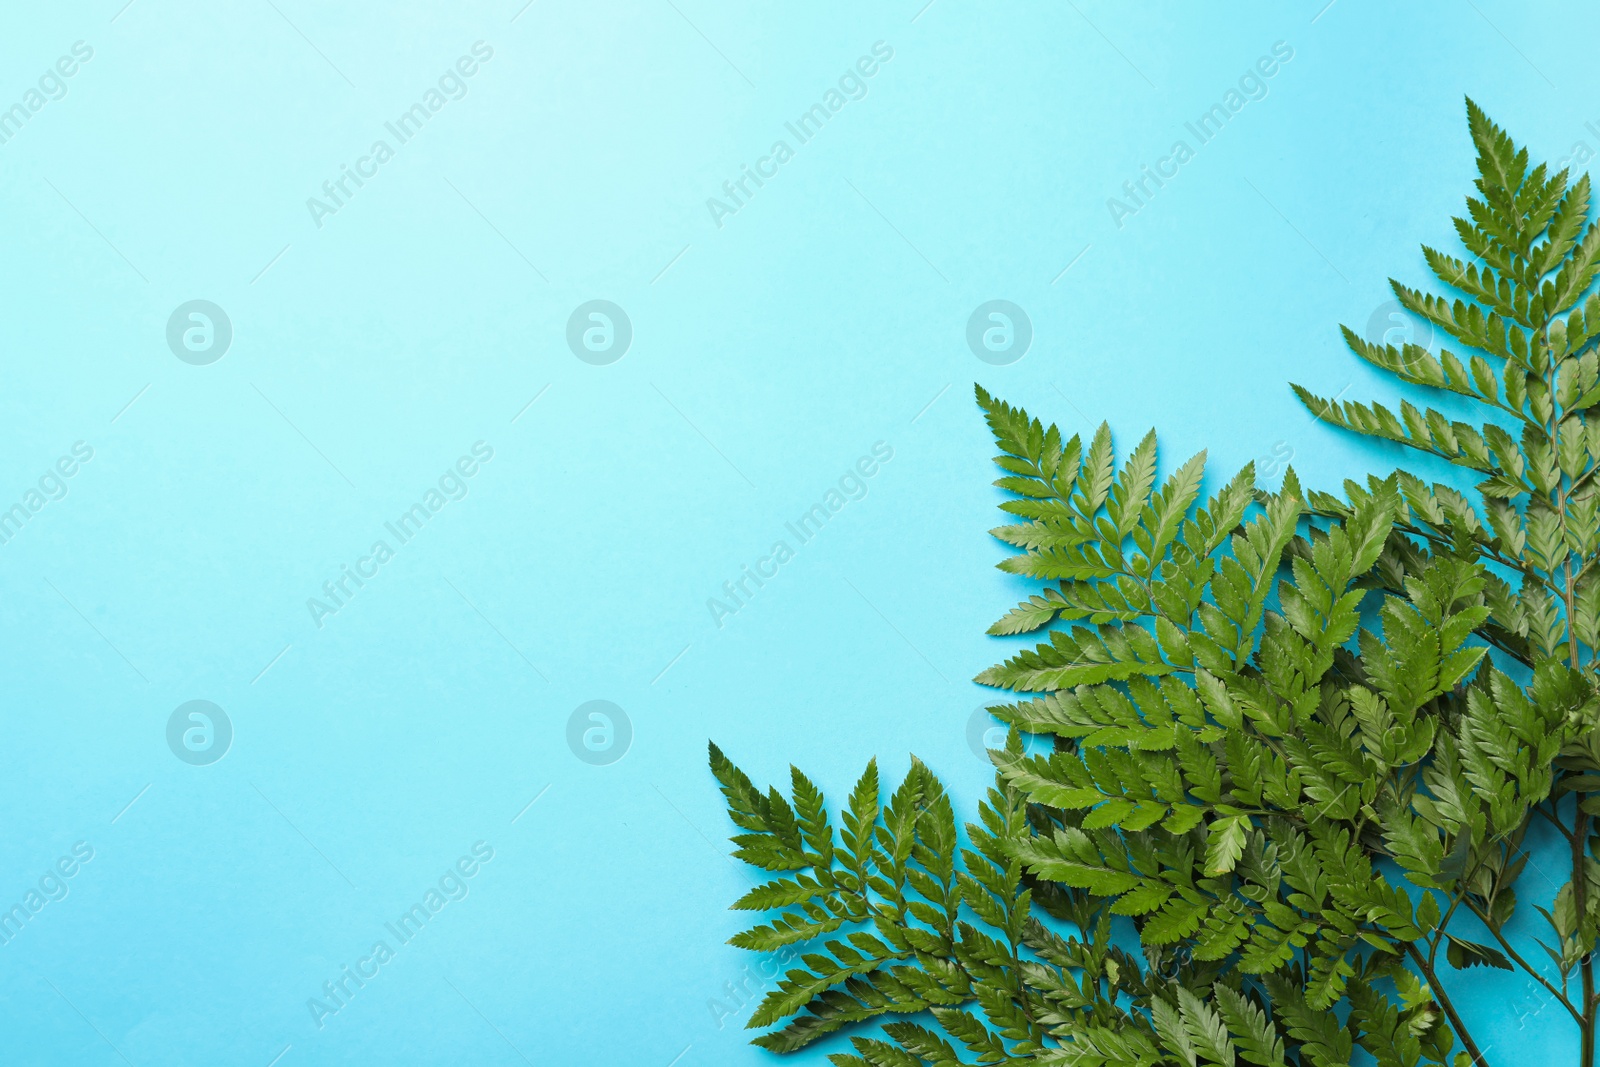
pixel 168 151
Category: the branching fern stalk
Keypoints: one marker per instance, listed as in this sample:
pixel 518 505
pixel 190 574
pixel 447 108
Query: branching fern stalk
pixel 1302 742
pixel 1528 326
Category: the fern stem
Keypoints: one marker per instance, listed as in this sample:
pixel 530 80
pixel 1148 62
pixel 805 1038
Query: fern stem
pixel 1444 924
pixel 1516 958
pixel 1586 1024
pixel 1443 998
pixel 1538 809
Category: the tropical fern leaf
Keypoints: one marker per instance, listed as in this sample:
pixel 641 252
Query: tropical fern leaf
pixel 1299 740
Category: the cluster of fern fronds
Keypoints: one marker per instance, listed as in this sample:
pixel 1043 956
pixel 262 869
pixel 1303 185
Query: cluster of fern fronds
pixel 1300 738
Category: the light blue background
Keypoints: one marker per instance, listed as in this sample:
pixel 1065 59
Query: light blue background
pixel 768 355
